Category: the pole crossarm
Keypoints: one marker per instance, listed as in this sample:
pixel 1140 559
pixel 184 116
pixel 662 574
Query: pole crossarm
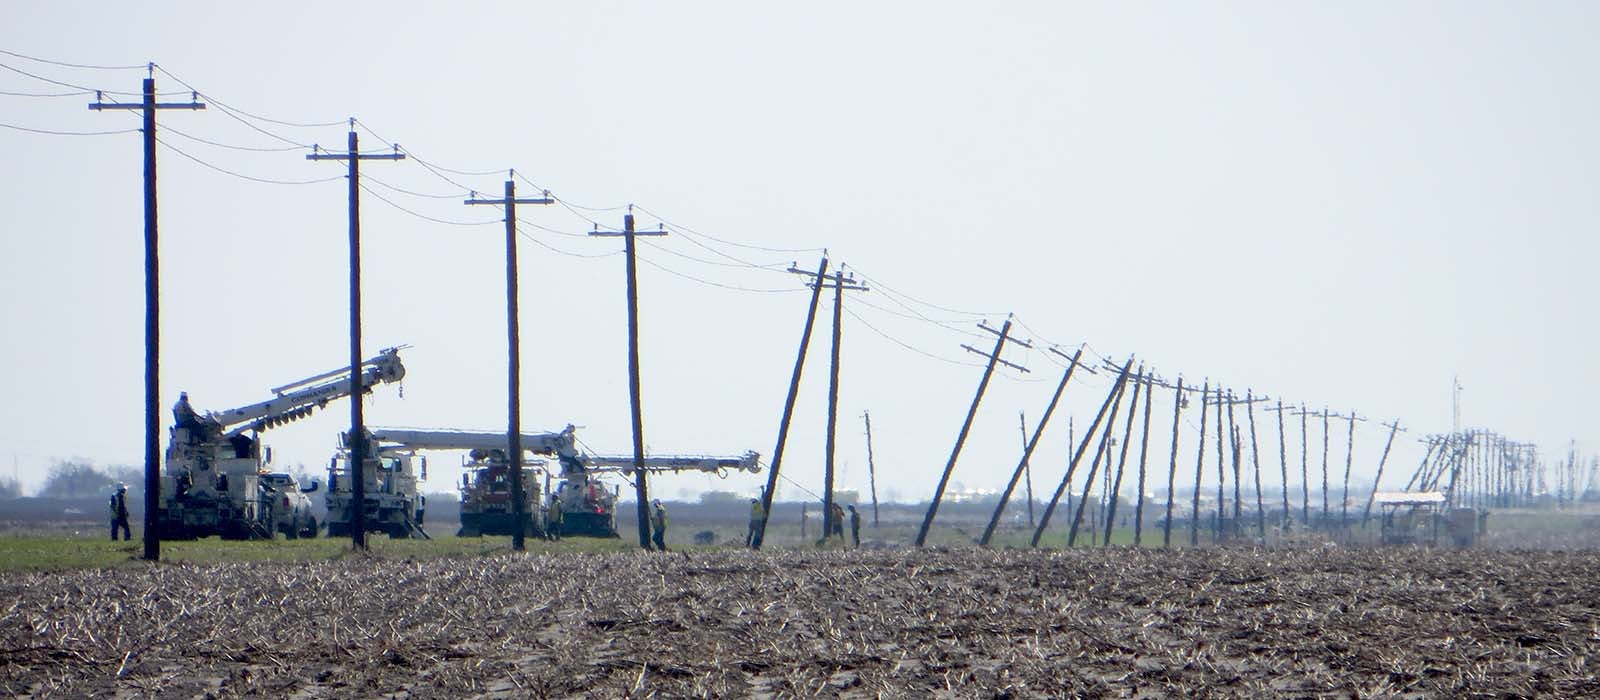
pixel 1012 365
pixel 1072 360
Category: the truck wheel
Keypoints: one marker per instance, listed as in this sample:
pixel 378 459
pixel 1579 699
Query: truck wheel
pixel 311 528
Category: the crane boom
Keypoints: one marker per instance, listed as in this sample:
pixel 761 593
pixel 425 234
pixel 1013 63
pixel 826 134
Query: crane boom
pixel 749 461
pixel 298 400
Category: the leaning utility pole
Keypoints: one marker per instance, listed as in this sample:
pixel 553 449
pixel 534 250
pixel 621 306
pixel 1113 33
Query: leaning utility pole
pixel 841 281
pixel 1199 464
pixel 1122 460
pixel 358 429
pixel 1367 513
pixel 788 405
pixel 1255 463
pixel 1003 335
pixel 1027 449
pixel 641 491
pixel 1144 449
pixel 152 307
pixel 1172 469
pixel 1101 450
pixel 513 351
pixel 1077 455
pixel 872 470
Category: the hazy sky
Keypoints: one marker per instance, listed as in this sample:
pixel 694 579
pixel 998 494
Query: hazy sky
pixel 1342 205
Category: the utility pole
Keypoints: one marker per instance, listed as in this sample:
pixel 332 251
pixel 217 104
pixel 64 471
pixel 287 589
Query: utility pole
pixel 1003 335
pixel 1077 455
pixel 1172 469
pixel 640 489
pixel 1283 464
pixel 872 471
pixel 1324 468
pixel 1027 448
pixel 841 281
pixel 1305 474
pixel 1222 468
pixel 788 405
pixel 1122 460
pixel 1349 458
pixel 1255 462
pixel 1101 450
pixel 358 429
pixel 1199 464
pixel 513 352
pixel 152 306
pixel 1027 467
pixel 1144 449
pixel 1367 513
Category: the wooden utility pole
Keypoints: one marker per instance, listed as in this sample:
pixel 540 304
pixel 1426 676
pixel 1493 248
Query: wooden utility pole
pixel 358 429
pixel 872 470
pixel 152 307
pixel 1233 444
pixel 513 353
pixel 1283 465
pixel 1027 467
pixel 1199 464
pixel 788 407
pixel 1305 474
pixel 640 489
pixel 1349 459
pixel 1027 449
pixel 841 281
pixel 1101 450
pixel 1144 448
pixel 1222 468
pixel 1172 469
pixel 1127 434
pixel 1324 468
pixel 1255 463
pixel 1366 514
pixel 1077 455
pixel 1002 336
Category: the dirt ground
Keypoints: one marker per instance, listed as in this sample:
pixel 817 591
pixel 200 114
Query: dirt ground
pixel 1325 622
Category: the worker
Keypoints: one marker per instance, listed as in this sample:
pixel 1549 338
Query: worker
pixel 836 522
pixel 182 412
pixel 552 520
pixel 855 526
pixel 119 513
pixel 758 522
pixel 658 522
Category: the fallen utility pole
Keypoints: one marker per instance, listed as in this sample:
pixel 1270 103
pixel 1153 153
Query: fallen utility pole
pixel 1003 335
pixel 358 429
pixel 513 351
pixel 842 281
pixel 152 305
pixel 1077 455
pixel 640 488
pixel 788 407
pixel 1027 449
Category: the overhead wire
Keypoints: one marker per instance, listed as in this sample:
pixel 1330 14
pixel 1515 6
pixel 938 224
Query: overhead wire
pixel 75 93
pixel 904 344
pixel 235 147
pixel 59 132
pixel 720 285
pixel 420 215
pixel 252 178
pixel 751 246
pixel 72 65
pixel 213 99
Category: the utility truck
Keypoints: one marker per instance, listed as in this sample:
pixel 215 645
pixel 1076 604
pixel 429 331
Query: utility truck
pixel 215 480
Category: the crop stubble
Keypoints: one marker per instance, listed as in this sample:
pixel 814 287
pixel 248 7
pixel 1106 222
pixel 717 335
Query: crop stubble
pixel 1335 622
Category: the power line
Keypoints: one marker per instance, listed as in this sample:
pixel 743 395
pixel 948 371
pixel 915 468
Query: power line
pixel 425 195
pixel 54 132
pixel 720 285
pixel 242 176
pixel 75 93
pixel 75 86
pixel 213 100
pixel 905 345
pixel 425 217
pixel 559 251
pixel 703 261
pixel 254 149
pixel 71 65
pixel 685 229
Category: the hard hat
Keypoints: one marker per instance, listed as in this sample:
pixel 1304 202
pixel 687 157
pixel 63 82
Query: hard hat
pixel 121 487
pixel 753 500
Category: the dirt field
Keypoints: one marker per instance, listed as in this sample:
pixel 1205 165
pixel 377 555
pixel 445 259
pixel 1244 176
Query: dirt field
pixel 1329 622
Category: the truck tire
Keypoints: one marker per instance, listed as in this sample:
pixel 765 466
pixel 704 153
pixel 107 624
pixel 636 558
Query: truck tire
pixel 311 528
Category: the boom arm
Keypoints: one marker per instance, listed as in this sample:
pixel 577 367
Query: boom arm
pixel 749 462
pixel 562 445
pixel 297 400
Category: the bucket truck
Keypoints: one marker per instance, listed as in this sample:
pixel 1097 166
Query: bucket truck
pixel 215 480
pixel 588 505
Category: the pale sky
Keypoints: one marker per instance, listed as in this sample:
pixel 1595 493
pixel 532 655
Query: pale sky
pixel 1342 205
